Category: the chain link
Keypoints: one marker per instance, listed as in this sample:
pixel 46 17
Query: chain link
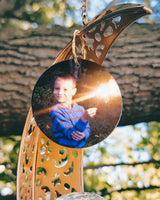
pixel 82 38
pixel 84 11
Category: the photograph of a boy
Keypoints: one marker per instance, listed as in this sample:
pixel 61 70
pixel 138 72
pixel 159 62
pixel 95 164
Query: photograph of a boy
pixel 70 121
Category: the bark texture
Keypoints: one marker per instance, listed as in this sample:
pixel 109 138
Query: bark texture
pixel 133 60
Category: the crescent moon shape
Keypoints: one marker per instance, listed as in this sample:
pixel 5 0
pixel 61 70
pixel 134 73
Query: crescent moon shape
pixel 100 34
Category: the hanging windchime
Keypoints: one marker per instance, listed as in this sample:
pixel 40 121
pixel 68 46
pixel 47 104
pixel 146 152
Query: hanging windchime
pixel 76 103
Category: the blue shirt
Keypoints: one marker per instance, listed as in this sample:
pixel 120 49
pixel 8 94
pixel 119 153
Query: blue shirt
pixel 65 121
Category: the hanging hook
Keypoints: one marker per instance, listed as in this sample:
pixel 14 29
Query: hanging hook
pixel 83 44
pixel 84 51
pixel 74 47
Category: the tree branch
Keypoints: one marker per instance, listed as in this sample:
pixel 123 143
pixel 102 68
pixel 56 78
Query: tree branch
pixel 123 164
pixel 104 191
pixel 133 61
pixel 11 16
pixel 136 188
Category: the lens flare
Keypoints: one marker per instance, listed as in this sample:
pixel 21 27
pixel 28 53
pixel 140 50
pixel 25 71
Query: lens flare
pixel 101 91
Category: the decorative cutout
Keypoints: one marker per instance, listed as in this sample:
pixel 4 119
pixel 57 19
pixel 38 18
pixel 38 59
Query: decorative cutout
pixel 70 170
pixel 108 31
pixel 74 154
pixel 90 42
pixel 117 21
pixel 47 157
pixel 50 181
pixel 67 186
pixel 41 170
pixel 47 192
pixel 56 179
pixel 64 158
pixel 58 194
pixel 99 50
pixel 98 37
pixel 73 190
pixel 38 182
pixel 42 140
pixel 42 159
pixel 42 150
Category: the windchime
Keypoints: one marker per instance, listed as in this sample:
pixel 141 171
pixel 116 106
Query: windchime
pixel 46 168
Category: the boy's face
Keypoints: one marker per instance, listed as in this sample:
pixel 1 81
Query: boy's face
pixel 64 90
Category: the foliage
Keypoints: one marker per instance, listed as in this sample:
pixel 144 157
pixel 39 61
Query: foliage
pixel 31 13
pixel 9 147
pixel 125 165
pixel 133 161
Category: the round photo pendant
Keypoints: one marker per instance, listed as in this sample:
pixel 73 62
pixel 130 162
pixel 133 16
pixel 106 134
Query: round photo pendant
pixel 76 106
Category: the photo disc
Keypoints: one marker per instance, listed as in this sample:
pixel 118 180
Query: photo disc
pixel 95 88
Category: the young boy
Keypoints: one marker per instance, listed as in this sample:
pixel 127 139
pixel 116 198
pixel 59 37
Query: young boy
pixel 69 121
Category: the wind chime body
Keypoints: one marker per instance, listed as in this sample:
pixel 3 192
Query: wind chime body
pixel 47 170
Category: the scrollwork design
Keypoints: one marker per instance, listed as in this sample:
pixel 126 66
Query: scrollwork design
pixel 58 172
pixel 26 163
pixel 63 158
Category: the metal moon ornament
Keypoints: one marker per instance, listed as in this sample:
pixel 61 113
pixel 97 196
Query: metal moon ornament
pixel 97 95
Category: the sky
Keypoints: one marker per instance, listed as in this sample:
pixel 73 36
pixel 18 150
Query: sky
pixel 95 7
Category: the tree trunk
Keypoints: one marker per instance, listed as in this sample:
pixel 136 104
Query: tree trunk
pixel 133 60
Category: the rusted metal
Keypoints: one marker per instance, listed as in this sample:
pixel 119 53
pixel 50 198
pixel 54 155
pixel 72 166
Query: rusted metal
pixel 47 170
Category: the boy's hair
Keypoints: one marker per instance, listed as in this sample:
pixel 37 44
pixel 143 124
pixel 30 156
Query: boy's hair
pixel 66 77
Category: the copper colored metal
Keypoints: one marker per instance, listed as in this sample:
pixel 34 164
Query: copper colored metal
pixel 47 170
pixel 102 31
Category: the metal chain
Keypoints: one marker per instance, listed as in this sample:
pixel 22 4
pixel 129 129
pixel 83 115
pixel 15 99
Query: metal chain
pixel 82 38
pixel 84 12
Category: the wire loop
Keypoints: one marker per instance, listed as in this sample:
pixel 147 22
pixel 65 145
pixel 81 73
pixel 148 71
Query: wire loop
pixel 83 45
